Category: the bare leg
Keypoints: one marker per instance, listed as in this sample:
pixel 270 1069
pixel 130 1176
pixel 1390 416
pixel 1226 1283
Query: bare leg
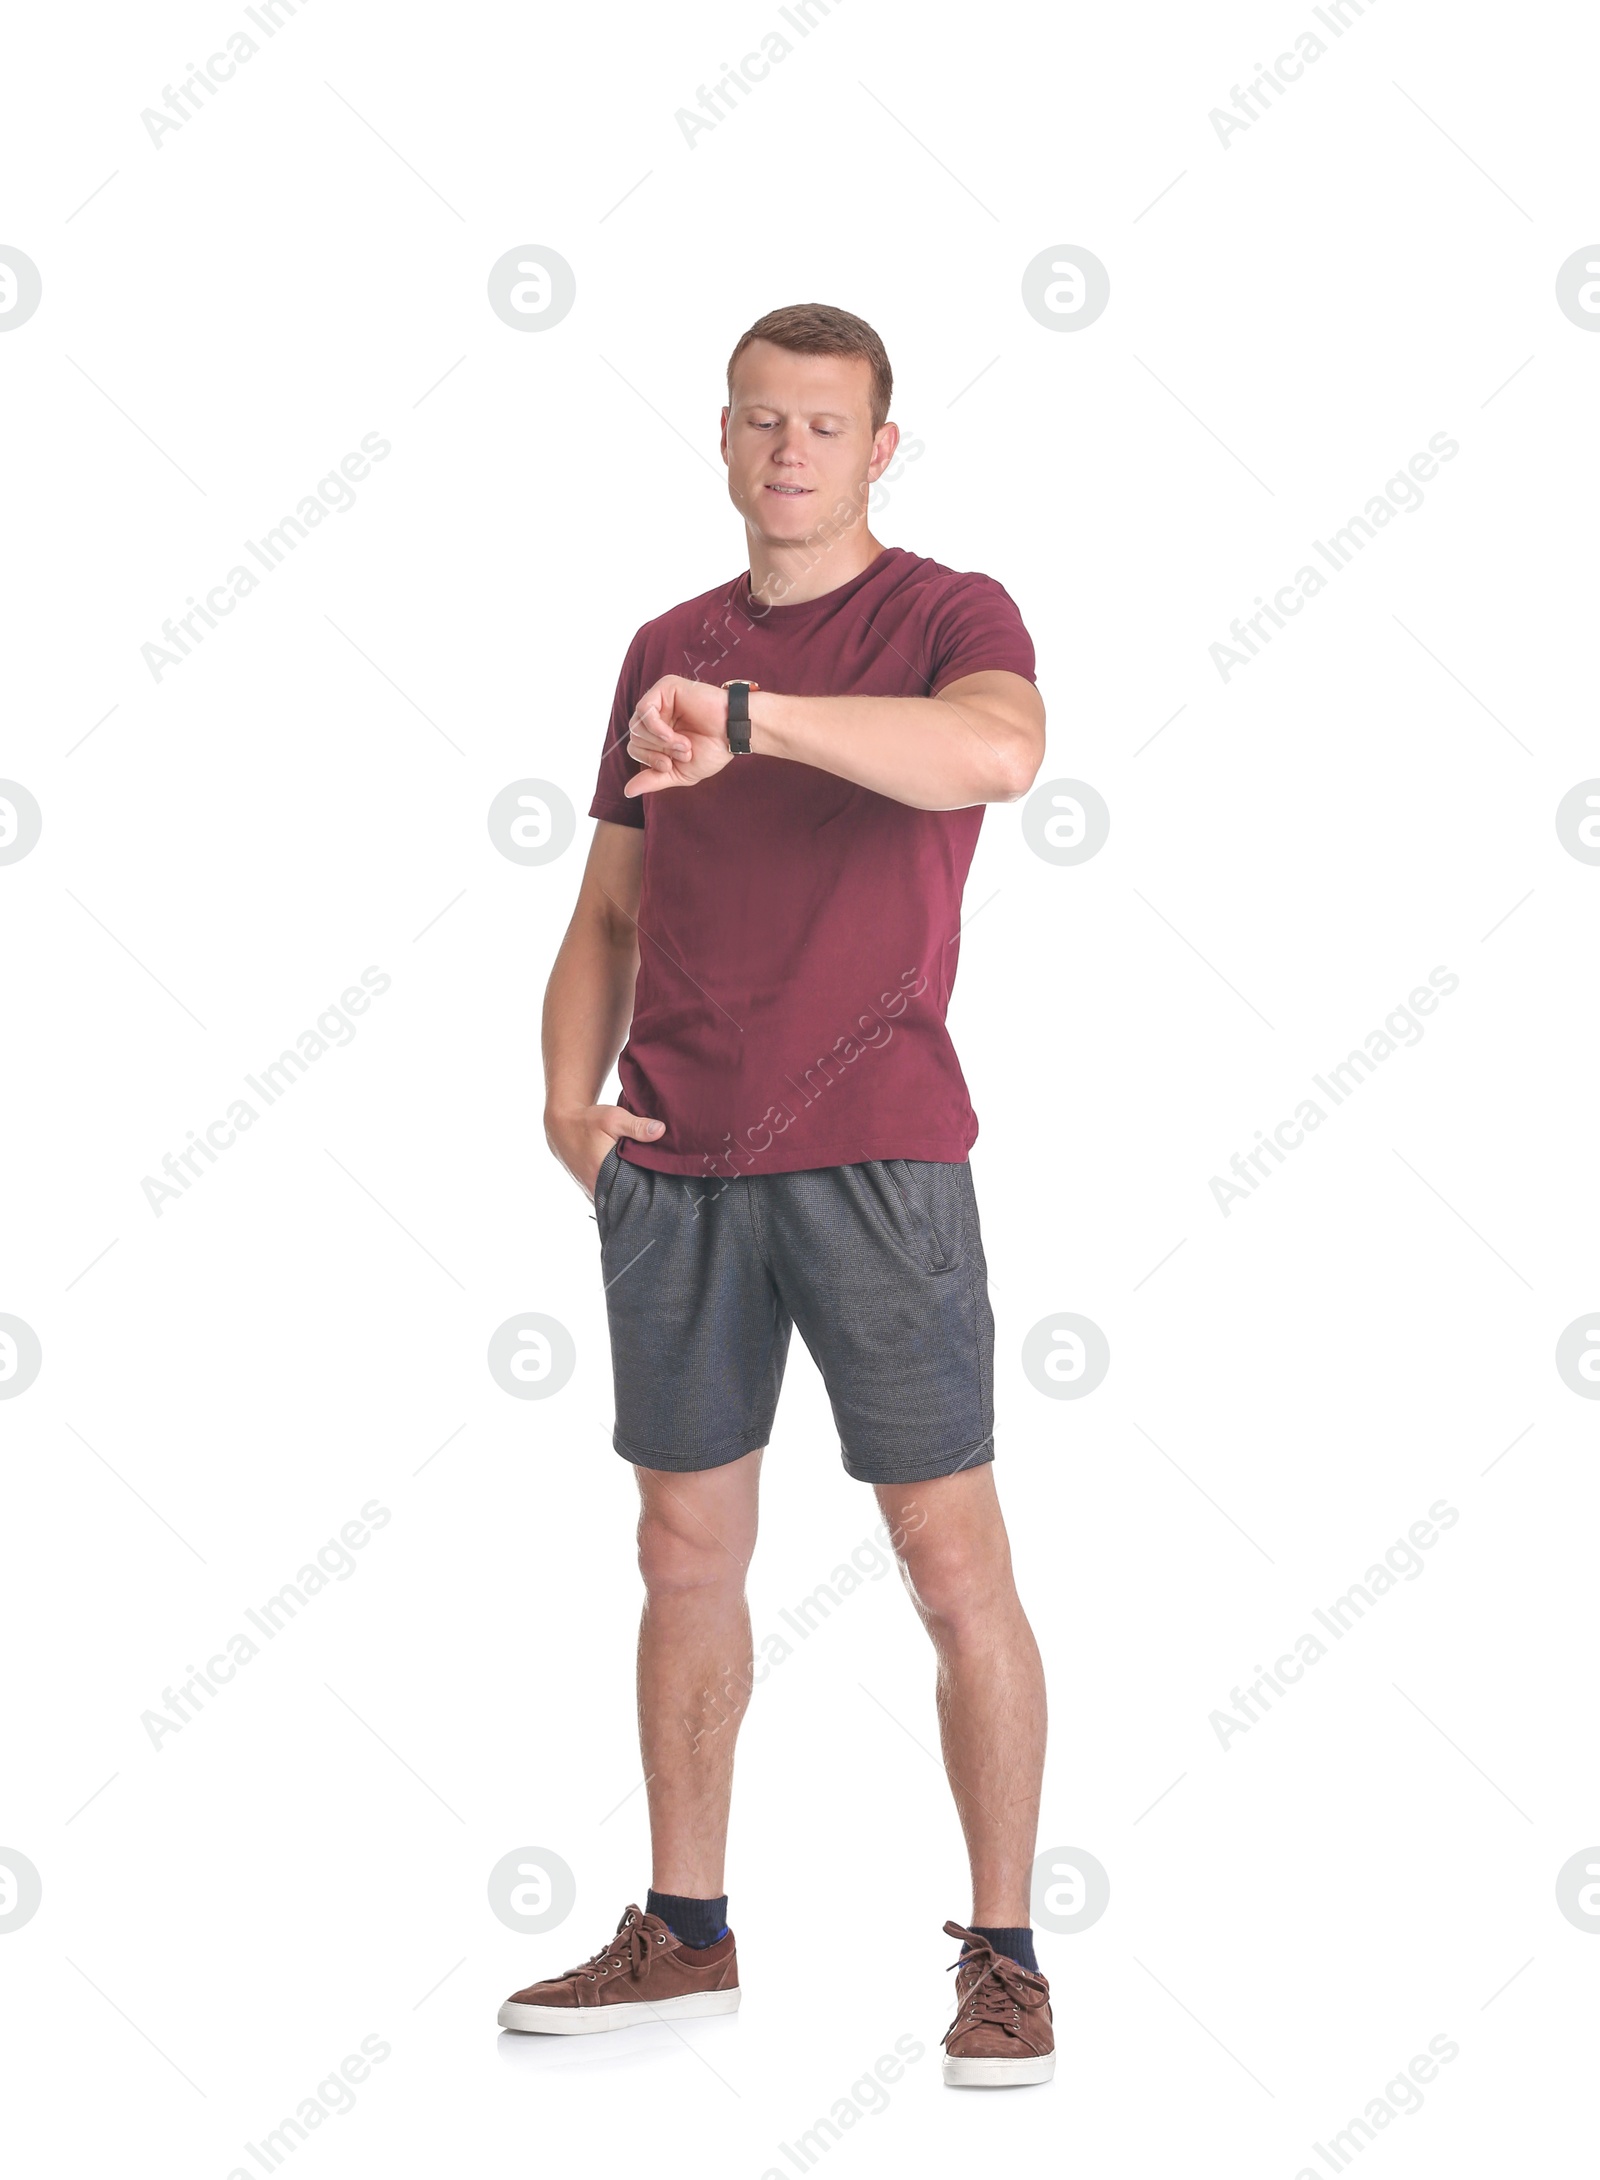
pixel 956 1563
pixel 696 1537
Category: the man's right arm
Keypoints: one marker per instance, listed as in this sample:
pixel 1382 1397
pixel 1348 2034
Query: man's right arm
pixel 588 1004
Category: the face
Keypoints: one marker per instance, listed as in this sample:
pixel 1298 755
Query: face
pixel 798 440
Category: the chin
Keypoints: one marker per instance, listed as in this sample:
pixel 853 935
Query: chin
pixel 802 515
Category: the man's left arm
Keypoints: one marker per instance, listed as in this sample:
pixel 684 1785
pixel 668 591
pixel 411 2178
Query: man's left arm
pixel 981 739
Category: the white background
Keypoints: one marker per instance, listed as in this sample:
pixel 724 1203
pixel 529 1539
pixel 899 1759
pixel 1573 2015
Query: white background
pixel 1291 318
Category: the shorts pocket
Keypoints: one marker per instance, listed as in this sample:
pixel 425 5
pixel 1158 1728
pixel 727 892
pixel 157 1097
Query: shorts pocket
pixel 603 1181
pixel 929 1199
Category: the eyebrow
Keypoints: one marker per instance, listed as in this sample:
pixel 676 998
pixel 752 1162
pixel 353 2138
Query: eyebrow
pixel 835 416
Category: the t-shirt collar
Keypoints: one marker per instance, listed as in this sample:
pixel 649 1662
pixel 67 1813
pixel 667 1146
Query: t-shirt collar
pixel 744 600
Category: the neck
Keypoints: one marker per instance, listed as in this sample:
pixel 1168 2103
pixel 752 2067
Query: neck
pixel 787 575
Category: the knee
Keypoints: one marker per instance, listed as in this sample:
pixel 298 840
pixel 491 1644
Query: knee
pixel 953 1580
pixel 676 1556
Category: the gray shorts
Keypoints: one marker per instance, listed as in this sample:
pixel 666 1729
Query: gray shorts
pixel 880 1265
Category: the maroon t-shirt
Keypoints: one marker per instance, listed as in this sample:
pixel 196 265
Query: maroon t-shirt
pixel 798 935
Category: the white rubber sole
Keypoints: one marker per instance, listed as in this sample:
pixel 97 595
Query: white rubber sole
pixel 998 2073
pixel 590 2020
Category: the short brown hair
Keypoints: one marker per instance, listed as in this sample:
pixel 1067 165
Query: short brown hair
pixel 817 329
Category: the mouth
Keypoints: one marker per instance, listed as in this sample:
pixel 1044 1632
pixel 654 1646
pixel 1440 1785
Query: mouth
pixel 788 491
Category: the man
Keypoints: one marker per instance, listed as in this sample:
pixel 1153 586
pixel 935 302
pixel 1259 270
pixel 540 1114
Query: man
pixel 790 793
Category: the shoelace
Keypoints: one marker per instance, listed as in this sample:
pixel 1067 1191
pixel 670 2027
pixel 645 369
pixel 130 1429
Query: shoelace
pixel 1001 1991
pixel 632 1946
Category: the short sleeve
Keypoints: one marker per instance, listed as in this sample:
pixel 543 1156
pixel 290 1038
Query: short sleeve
pixel 616 766
pixel 976 629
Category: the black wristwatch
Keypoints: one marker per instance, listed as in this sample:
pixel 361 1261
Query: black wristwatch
pixel 739 716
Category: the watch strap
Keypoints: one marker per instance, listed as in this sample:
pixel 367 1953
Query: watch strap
pixel 739 716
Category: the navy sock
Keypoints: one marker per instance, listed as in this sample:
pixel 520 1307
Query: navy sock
pixel 695 1922
pixel 1016 1944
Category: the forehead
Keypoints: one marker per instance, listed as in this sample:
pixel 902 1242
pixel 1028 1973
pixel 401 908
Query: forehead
pixel 770 377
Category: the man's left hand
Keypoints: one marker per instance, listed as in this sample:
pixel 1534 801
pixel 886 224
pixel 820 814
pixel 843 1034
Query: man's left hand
pixel 679 733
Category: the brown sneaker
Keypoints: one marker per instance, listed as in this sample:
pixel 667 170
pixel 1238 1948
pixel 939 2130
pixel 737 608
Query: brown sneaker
pixel 643 1974
pixel 1001 2036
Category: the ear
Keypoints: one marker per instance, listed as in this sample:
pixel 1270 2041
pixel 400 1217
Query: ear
pixel 724 432
pixel 884 441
